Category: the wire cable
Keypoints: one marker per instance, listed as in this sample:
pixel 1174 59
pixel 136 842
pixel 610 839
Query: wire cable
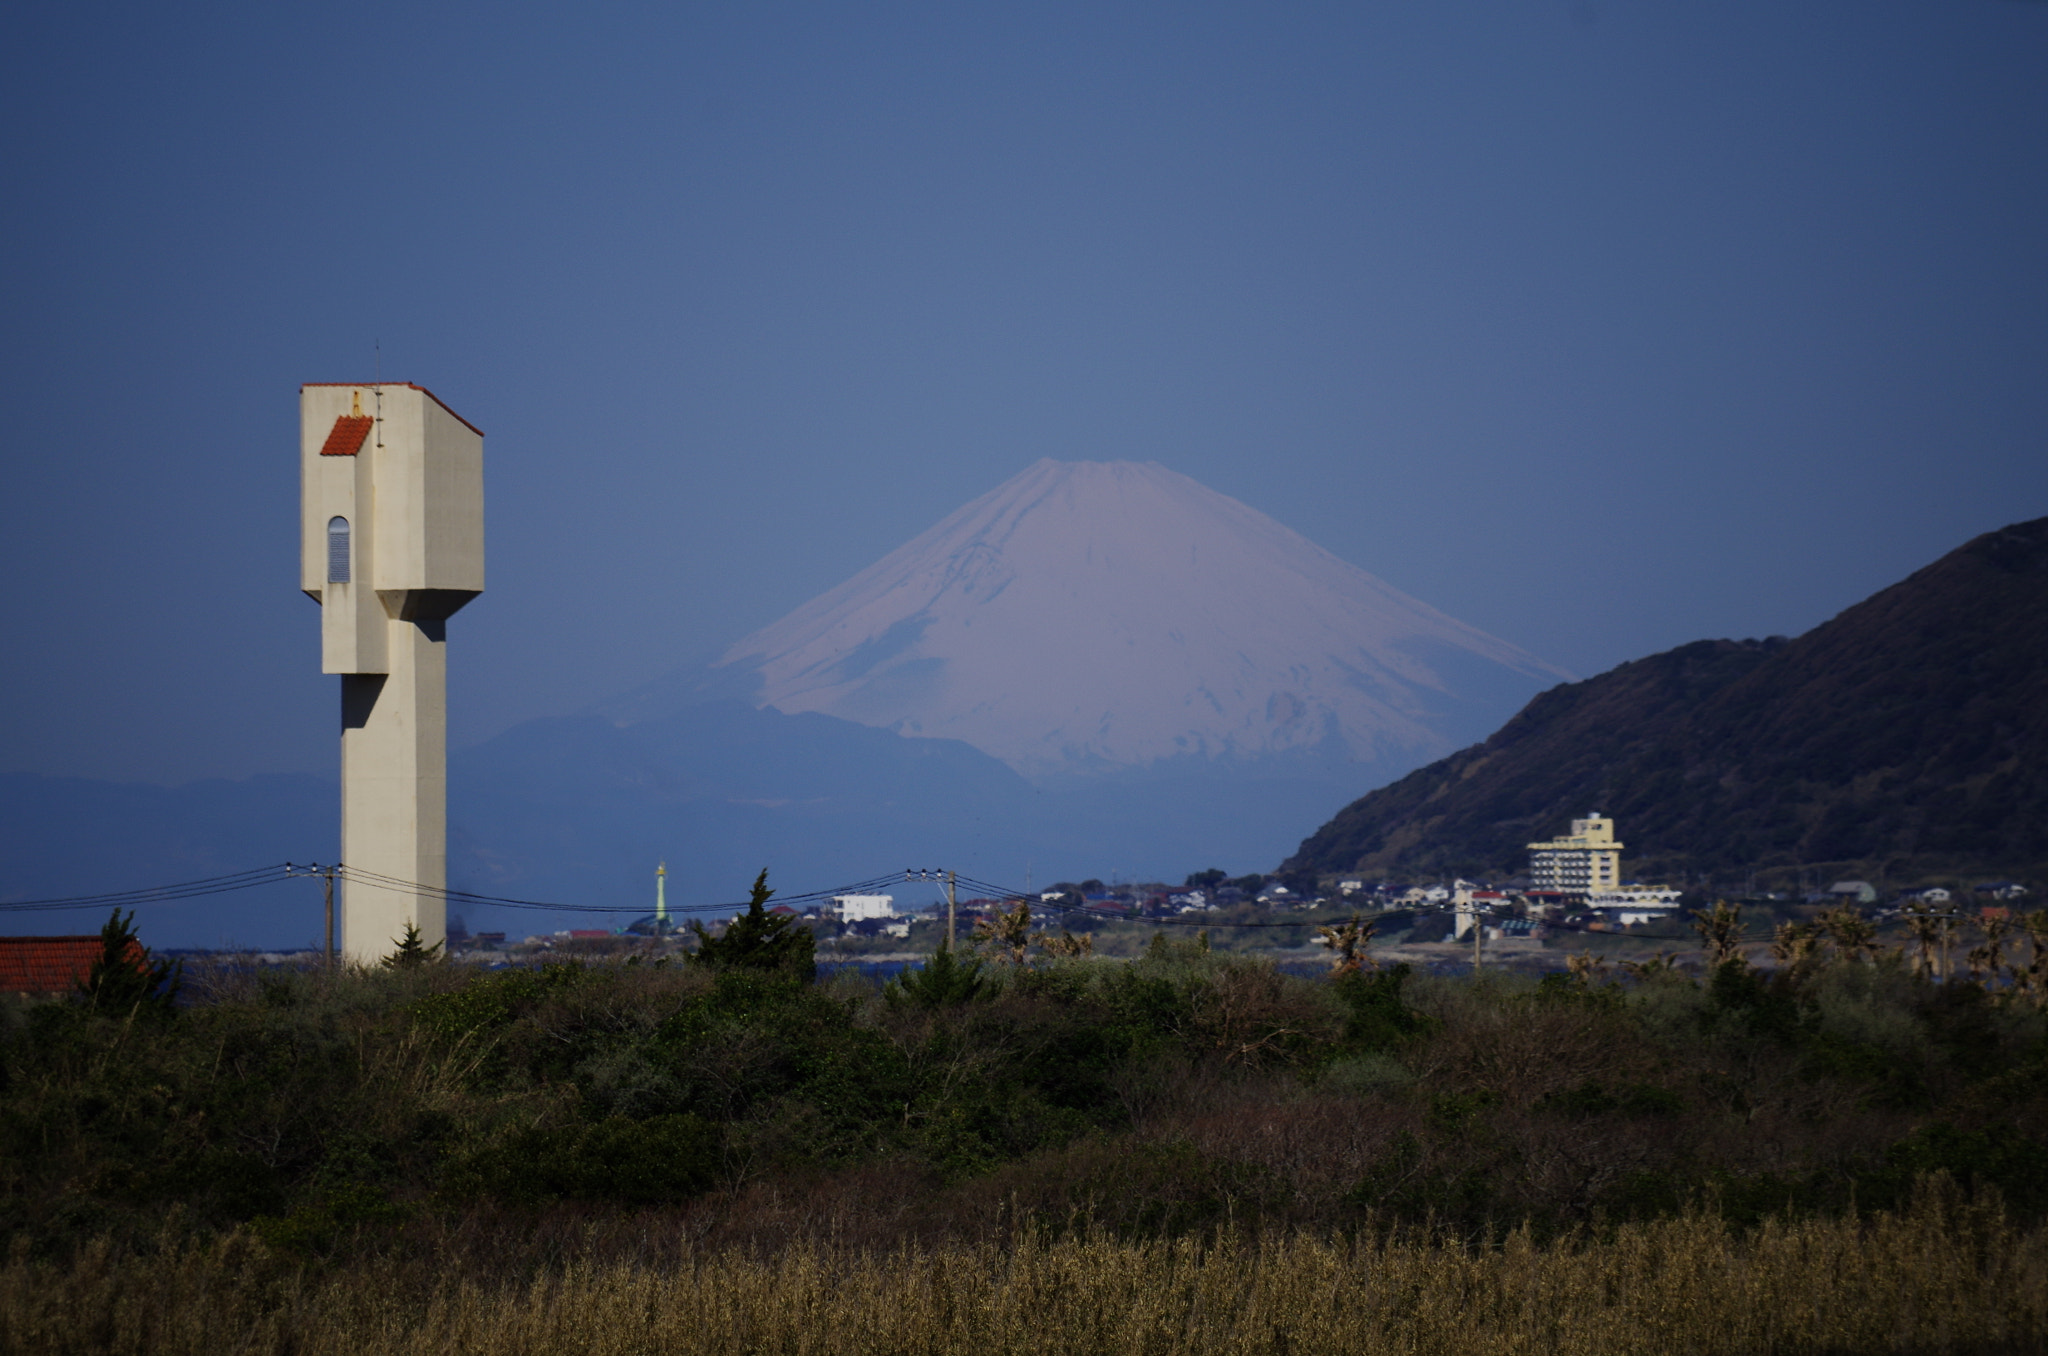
pixel 155 894
pixel 399 886
pixel 987 890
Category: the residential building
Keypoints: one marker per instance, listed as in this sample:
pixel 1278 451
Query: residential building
pixel 49 967
pixel 856 908
pixel 1583 861
pixel 1633 904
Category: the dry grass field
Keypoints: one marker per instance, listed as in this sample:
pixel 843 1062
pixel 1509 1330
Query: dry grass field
pixel 1945 1276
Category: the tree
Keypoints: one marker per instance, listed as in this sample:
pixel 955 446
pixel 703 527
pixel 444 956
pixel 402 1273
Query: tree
pixel 411 954
pixel 1068 946
pixel 944 981
pixel 1987 960
pixel 1853 936
pixel 2031 980
pixel 1721 932
pixel 1006 935
pixel 1586 967
pixel 759 940
pixel 1796 945
pixel 1349 945
pixel 1925 928
pixel 1206 880
pixel 124 980
pixel 1656 966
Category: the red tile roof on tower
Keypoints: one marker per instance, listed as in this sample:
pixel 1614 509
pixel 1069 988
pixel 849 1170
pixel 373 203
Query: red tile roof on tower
pixel 50 964
pixel 345 439
pixel 408 385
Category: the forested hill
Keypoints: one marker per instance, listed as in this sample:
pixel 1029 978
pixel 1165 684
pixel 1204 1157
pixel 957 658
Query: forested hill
pixel 1907 737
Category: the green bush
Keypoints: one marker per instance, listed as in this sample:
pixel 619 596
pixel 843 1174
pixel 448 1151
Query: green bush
pixel 1160 1093
pixel 662 1160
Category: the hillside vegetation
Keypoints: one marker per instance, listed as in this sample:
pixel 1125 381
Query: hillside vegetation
pixel 576 1130
pixel 1907 738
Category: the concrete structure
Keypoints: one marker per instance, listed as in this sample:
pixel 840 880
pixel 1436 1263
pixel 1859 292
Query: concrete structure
pixel 858 908
pixel 1585 860
pixel 392 545
pixel 1633 904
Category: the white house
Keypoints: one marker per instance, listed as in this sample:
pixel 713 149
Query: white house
pixel 1633 904
pixel 857 908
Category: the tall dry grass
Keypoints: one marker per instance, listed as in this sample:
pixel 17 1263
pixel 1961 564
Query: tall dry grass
pixel 1945 1276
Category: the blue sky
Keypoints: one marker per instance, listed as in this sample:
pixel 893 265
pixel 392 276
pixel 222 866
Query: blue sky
pixel 1602 326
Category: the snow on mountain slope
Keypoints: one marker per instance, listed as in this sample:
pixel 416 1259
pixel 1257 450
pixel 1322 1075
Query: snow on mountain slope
pixel 1093 616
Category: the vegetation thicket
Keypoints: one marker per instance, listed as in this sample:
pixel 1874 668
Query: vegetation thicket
pixel 1187 1151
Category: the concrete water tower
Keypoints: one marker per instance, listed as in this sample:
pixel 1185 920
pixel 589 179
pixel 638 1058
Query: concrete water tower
pixel 392 545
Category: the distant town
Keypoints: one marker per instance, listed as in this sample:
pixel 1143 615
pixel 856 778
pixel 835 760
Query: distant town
pixel 1572 895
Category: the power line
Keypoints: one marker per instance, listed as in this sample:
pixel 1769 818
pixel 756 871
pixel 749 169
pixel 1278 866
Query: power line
pixel 265 875
pixel 156 894
pixel 399 886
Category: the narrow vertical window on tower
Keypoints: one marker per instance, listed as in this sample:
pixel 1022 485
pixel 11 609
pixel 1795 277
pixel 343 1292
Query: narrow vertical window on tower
pixel 337 550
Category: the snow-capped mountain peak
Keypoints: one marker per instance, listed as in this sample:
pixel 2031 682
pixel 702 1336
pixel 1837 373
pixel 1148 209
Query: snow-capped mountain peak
pixel 1096 615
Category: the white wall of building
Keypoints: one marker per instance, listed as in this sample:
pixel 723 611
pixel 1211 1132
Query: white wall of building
pixel 858 908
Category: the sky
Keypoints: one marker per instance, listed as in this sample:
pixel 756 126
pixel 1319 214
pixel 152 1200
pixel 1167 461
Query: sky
pixel 1602 326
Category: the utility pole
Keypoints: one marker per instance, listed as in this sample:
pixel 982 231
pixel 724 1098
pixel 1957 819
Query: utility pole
pixel 1478 936
pixel 949 909
pixel 326 875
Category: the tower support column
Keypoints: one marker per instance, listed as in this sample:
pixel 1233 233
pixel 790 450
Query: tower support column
pixel 394 794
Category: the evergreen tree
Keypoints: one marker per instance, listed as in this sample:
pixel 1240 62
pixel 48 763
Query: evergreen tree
pixel 410 952
pixel 759 940
pixel 123 979
pixel 942 982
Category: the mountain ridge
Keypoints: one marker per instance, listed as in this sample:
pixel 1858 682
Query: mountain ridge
pixel 1907 735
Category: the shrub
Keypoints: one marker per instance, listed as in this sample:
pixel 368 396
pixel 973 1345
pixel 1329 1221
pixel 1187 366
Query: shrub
pixel 662 1160
pixel 943 981
pixel 1376 1018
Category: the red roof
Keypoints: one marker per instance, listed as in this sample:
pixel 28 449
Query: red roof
pixel 345 439
pixel 408 385
pixel 49 964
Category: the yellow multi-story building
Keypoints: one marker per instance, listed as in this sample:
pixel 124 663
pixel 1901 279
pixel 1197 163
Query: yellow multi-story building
pixel 1586 860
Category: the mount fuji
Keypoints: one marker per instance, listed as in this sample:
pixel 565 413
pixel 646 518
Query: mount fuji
pixel 1093 617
